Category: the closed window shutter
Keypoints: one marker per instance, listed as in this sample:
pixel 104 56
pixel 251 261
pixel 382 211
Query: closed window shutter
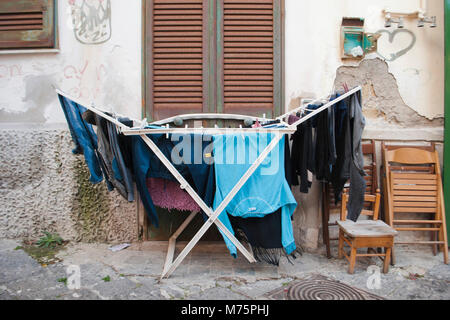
pixel 213 56
pixel 27 24
pixel 248 58
pixel 177 57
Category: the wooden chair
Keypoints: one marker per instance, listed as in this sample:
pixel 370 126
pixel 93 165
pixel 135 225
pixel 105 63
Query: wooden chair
pixel 328 198
pixel 413 187
pixel 371 234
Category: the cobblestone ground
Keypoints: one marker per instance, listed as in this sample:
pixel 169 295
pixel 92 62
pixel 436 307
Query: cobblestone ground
pixel 207 273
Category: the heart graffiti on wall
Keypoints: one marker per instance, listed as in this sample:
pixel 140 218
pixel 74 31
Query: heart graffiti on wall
pixel 392 37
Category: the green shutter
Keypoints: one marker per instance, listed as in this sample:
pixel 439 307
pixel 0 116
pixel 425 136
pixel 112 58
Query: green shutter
pixel 447 115
pixel 27 24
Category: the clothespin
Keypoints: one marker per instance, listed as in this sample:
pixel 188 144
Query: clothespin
pixel 242 132
pixel 144 123
pixel 257 124
pixel 167 134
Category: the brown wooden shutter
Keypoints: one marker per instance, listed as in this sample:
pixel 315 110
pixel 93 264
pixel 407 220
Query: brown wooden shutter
pixel 27 24
pixel 178 46
pixel 248 58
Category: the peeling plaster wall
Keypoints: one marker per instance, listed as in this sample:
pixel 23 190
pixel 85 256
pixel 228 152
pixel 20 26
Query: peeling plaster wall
pixel 313 50
pixel 403 99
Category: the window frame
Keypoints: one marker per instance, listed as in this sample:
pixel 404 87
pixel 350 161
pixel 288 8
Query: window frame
pixel 51 44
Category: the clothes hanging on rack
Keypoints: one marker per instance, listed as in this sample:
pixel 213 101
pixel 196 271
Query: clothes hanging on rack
pixel 116 171
pixel 255 199
pixel 351 166
pixel 302 155
pixel 263 234
pixel 147 165
pixel 329 146
pixel 325 147
pixel 83 136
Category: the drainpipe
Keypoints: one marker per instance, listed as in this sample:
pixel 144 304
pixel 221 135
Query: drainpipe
pixel 447 115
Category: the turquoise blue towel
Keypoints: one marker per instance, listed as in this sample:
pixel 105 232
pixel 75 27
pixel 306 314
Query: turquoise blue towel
pixel 265 191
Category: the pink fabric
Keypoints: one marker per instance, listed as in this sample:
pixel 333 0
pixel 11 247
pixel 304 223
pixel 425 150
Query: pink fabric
pixel 257 124
pixel 168 195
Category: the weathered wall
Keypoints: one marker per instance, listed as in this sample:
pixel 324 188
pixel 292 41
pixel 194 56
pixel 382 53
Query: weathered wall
pixel 108 73
pixel 313 50
pixel 43 186
pixel 403 99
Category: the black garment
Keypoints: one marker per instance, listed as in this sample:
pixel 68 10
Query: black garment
pixel 263 234
pixel 325 144
pixel 339 176
pixel 350 160
pixel 303 156
pixel 117 173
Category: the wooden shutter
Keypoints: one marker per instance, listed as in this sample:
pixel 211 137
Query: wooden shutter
pixel 213 56
pixel 27 24
pixel 177 57
pixel 249 47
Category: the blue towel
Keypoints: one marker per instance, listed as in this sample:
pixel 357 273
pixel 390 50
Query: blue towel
pixel 265 192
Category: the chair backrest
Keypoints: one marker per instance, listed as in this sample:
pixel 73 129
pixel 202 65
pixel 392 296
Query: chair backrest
pixel 411 167
pixel 373 210
pixel 370 168
pixel 414 183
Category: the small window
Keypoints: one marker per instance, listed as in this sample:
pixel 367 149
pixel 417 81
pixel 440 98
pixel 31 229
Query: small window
pixel 27 24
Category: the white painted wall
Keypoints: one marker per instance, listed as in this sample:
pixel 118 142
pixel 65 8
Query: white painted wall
pixel 313 49
pixel 110 74
pixel 107 74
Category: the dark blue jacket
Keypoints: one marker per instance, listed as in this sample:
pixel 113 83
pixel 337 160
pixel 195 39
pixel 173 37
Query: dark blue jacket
pixel 146 164
pixel 83 136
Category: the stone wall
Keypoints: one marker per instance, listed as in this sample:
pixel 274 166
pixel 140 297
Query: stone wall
pixel 44 187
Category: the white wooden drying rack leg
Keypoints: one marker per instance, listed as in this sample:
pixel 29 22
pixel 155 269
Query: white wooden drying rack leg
pixel 170 265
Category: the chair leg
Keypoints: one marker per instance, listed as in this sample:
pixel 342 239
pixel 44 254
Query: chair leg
pixel 351 268
pixel 435 246
pixel 392 256
pixel 326 221
pixel 444 247
pixel 387 259
pixel 341 244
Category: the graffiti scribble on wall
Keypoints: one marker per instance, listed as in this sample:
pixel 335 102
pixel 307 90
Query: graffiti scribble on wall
pixel 79 80
pixel 91 20
pixel 394 56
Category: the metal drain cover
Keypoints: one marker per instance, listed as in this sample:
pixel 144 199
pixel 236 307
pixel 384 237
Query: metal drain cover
pixel 320 288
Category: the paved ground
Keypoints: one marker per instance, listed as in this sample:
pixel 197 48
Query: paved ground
pixel 208 273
